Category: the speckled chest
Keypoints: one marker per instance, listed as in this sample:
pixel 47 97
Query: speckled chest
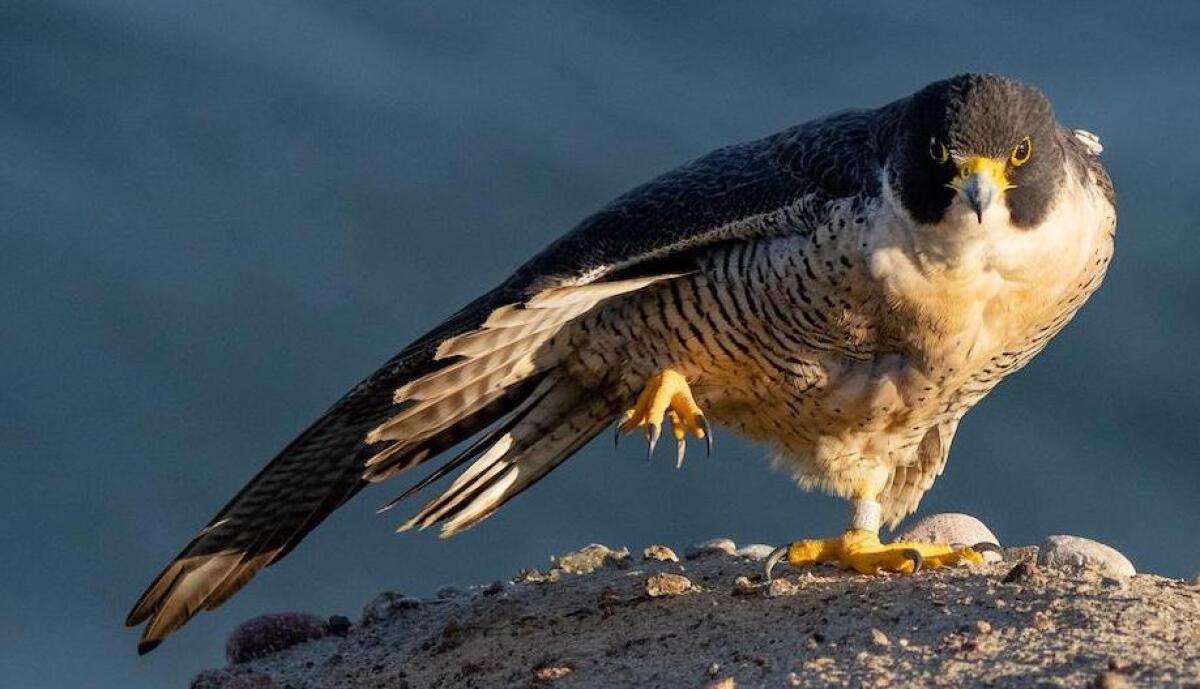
pixel 868 332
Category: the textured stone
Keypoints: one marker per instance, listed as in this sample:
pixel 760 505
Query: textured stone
pixel 711 547
pixel 1079 552
pixel 880 639
pixel 951 527
pixel 782 587
pixel 666 584
pixel 755 551
pixel 743 586
pixel 387 604
pixel 589 558
pixel 551 673
pixel 659 552
pixel 266 634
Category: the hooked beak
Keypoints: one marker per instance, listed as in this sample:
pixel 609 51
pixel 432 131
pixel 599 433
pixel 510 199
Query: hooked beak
pixel 980 180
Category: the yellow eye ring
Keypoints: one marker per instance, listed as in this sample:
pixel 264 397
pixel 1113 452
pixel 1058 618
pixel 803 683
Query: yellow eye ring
pixel 1021 152
pixel 937 150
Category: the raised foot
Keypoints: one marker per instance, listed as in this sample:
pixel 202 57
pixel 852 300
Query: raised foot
pixel 667 395
pixel 862 551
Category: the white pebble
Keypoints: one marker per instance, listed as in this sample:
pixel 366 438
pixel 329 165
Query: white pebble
pixel 1075 551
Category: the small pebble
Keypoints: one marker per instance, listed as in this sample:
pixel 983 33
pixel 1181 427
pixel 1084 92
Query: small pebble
pixel 667 584
pixel 726 683
pixel 387 604
pixel 782 587
pixel 659 552
pixel 712 546
pixel 743 586
pixel 755 551
pixel 880 639
pixel 713 669
pixel 590 558
pixel 534 576
pixel 1111 680
pixel 1044 622
pixel 1076 552
pixel 983 627
pixel 551 673
pixel 820 663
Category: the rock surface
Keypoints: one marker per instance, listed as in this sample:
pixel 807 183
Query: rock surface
pixel 1073 551
pixel 817 627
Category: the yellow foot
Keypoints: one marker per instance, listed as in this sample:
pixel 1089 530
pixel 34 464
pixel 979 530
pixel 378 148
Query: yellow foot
pixel 667 394
pixel 861 551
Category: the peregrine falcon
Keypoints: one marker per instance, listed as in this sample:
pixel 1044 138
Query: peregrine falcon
pixel 843 290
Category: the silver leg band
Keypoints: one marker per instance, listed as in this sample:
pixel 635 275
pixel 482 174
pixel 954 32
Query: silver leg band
pixel 865 515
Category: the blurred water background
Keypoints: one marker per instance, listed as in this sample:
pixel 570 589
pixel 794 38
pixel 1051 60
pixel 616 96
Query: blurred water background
pixel 215 217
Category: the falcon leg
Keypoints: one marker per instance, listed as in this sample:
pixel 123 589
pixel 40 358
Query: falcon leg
pixel 860 549
pixel 667 395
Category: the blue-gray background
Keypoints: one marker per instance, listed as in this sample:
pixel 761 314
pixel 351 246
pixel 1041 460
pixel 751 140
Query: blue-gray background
pixel 215 217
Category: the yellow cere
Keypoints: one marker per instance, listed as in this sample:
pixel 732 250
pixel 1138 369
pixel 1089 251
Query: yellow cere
pixel 995 168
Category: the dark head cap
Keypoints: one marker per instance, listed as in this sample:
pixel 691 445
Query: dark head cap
pixel 978 123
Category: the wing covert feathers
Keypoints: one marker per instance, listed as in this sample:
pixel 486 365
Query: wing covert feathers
pixel 483 363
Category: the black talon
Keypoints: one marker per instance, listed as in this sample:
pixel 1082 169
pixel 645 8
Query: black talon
pixel 774 558
pixel 915 557
pixel 680 448
pixel 654 431
pixel 708 434
pixel 617 434
pixel 987 547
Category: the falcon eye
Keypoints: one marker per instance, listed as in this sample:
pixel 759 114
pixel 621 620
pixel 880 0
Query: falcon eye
pixel 1021 152
pixel 937 150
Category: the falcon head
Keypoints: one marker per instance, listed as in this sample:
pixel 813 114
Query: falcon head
pixel 975 145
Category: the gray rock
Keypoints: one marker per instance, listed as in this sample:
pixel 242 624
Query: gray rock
pixel 755 551
pixel 266 634
pixel 951 527
pixel 385 605
pixel 1078 552
pixel 712 546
